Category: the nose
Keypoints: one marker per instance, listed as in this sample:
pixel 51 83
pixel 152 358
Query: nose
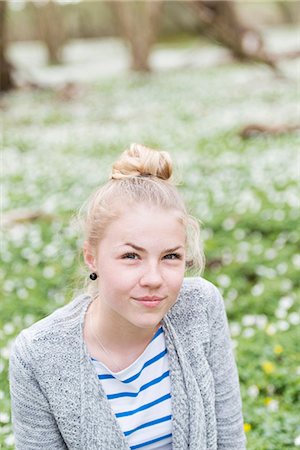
pixel 152 276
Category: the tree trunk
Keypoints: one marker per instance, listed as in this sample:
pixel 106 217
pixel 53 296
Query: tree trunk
pixel 288 11
pixel 51 30
pixel 223 24
pixel 139 24
pixel 6 82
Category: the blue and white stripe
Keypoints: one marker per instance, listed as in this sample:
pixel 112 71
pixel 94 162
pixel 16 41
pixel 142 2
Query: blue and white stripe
pixel 140 396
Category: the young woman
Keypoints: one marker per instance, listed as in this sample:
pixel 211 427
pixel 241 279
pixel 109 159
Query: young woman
pixel 143 360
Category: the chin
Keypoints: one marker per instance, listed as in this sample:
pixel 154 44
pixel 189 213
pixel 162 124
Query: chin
pixel 150 323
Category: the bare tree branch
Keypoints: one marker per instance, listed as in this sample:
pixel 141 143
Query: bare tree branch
pixel 223 24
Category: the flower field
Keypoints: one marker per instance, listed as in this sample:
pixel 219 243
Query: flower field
pixel 58 148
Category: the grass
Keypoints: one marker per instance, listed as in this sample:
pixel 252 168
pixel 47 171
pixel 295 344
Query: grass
pixel 245 192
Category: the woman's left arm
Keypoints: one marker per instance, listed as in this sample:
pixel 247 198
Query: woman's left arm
pixel 228 404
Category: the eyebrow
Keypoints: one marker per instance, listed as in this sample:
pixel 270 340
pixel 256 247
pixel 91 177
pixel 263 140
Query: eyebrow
pixel 141 249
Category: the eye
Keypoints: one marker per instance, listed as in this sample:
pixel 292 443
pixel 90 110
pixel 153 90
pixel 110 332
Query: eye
pixel 174 256
pixel 129 255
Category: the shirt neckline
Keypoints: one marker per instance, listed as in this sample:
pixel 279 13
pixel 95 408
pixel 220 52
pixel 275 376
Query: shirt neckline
pixel 131 367
pixel 82 318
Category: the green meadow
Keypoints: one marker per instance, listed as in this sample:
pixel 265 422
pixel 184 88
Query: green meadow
pixel 57 149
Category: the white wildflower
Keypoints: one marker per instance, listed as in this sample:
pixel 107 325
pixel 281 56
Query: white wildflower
pixel 296 261
pixel 4 417
pixel 248 320
pixel 8 328
pixel 271 329
pixel 224 280
pixel 297 441
pixel 273 405
pixel 253 391
pixel 279 215
pixel 232 294
pixel 235 329
pixel 286 302
pixel 49 272
pixel 270 254
pixel 283 325
pixel 294 318
pixel 286 285
pixel 280 313
pixel 8 285
pixel 239 234
pixel 261 321
pixel 228 224
pixel 22 293
pixel 282 268
pixel 30 282
pixel 10 440
pixel 257 289
pixel 248 332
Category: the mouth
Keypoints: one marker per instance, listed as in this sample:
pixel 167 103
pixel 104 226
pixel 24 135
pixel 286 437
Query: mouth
pixel 150 302
pixel 147 298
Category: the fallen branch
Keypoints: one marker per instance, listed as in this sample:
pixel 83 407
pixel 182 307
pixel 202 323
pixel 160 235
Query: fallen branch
pixel 24 215
pixel 254 130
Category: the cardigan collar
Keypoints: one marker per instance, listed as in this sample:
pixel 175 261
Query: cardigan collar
pixel 100 428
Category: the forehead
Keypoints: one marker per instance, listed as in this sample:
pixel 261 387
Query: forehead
pixel 144 222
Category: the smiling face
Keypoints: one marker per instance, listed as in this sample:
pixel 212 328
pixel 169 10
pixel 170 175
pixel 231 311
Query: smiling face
pixel 141 254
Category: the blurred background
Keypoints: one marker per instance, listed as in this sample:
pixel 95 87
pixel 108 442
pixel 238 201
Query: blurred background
pixel 215 83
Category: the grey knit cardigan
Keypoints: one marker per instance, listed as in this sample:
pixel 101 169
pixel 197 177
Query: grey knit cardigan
pixel 58 403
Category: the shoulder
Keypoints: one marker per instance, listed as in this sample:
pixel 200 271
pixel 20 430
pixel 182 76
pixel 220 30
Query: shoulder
pixel 198 286
pixel 53 329
pixel 197 292
pixel 199 301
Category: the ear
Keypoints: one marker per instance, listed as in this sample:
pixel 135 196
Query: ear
pixel 89 257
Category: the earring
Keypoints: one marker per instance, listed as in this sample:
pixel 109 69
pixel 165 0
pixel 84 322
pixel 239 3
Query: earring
pixel 93 276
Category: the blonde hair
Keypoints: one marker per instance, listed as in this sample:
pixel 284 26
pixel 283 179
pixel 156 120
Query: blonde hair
pixel 141 175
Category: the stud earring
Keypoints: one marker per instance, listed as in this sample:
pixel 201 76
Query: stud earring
pixel 93 276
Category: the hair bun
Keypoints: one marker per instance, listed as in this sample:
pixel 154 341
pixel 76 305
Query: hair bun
pixel 142 161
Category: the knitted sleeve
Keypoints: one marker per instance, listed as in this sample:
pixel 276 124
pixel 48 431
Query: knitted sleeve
pixel 34 426
pixel 228 404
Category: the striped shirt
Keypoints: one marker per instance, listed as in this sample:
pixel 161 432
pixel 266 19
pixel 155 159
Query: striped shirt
pixel 140 396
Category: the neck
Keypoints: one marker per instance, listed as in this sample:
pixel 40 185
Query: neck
pixel 117 334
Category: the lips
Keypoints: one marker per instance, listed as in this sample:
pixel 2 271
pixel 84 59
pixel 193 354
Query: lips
pixel 150 299
pixel 150 302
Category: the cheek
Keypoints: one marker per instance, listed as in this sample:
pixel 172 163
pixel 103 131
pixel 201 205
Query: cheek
pixel 119 279
pixel 174 277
